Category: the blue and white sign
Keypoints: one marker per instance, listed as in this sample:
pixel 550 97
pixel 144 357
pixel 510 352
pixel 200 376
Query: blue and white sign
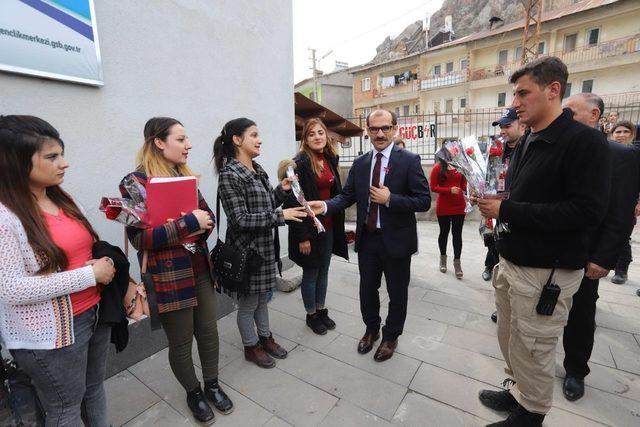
pixel 54 39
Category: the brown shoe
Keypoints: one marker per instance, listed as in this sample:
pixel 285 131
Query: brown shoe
pixel 385 350
pixel 366 343
pixel 271 347
pixel 257 355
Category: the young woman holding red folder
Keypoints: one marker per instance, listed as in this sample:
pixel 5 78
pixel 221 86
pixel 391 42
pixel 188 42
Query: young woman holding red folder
pixel 253 211
pixel 181 272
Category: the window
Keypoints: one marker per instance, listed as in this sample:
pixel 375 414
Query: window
pixel 464 64
pixel 397 111
pixel 366 111
pixel 541 48
pixel 405 110
pixel 436 70
pixel 436 106
pixel 502 99
pixel 416 109
pixel 567 91
pixel 592 37
pixel 587 86
pixel 503 56
pixel 518 53
pixel 448 106
pixel 449 67
pixel 463 102
pixel 570 42
pixel 366 84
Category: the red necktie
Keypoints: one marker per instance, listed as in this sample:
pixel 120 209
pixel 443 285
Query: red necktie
pixel 372 218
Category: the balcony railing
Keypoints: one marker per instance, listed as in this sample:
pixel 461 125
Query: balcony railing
pixel 448 79
pixel 409 87
pixel 604 50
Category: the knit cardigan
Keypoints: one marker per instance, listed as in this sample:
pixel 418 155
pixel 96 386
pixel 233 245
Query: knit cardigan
pixel 35 310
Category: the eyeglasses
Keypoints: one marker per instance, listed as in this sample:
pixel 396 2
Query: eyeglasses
pixel 375 129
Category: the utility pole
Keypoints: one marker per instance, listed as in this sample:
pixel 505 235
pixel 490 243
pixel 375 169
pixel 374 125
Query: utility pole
pixel 531 30
pixel 314 69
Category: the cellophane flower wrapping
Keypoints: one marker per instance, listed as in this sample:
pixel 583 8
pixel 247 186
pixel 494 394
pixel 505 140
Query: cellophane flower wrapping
pixel 299 194
pixel 128 211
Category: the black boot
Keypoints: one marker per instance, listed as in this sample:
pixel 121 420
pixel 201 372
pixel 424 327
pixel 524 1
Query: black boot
pixel 315 323
pixel 199 407
pixel 324 316
pixel 218 397
pixel 501 401
pixel 520 417
pixel 573 388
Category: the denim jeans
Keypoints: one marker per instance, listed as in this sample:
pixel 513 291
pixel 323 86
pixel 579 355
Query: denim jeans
pixel 69 380
pixel 315 280
pixel 252 309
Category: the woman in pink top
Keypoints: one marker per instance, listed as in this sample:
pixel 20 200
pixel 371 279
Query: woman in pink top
pixel 46 261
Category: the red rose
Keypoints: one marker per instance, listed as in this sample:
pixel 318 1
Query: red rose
pixel 453 151
pixel 495 152
pixel 469 151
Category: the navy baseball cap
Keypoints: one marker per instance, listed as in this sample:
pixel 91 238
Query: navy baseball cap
pixel 508 116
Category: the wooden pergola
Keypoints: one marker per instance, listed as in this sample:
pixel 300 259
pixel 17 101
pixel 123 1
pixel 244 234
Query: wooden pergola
pixel 339 128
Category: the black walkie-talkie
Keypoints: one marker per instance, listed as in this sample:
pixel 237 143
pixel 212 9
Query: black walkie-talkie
pixel 548 297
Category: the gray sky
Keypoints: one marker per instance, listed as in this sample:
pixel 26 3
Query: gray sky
pixel 351 28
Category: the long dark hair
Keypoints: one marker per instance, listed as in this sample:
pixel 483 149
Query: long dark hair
pixel 223 148
pixel 20 138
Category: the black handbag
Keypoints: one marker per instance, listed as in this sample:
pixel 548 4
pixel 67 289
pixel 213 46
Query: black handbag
pixel 19 403
pixel 232 266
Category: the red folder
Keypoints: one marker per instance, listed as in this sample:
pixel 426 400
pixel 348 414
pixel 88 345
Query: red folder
pixel 169 197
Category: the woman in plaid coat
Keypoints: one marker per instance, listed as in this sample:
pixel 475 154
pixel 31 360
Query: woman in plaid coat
pixel 253 212
pixel 181 270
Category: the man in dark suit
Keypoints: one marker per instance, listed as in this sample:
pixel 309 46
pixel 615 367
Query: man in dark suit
pixel 389 186
pixel 606 242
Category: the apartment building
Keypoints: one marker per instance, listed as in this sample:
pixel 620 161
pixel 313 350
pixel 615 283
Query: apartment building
pixel 599 40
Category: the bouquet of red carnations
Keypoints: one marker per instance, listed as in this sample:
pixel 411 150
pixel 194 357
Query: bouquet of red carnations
pixel 482 171
pixel 131 212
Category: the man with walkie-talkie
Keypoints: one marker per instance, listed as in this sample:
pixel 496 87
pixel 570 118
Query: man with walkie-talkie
pixel 558 183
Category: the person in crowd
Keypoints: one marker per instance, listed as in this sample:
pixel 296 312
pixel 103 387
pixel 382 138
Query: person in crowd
pixel 51 285
pixel 624 132
pixel 181 270
pixel 253 212
pixel 609 124
pixel 318 174
pixel 389 186
pixel 449 185
pixel 399 142
pixel 606 243
pixel 511 130
pixel 558 182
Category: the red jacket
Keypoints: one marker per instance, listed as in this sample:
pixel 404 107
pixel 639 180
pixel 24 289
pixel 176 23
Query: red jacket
pixel 448 203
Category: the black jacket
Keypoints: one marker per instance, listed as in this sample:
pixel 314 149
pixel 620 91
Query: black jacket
pixel 608 239
pixel 112 311
pixel 305 230
pixel 559 190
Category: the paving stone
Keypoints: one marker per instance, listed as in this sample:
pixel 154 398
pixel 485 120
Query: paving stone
pixel 481 323
pixel 160 415
pixel 297 331
pixel 399 369
pixel 560 418
pixel 417 410
pixel 440 313
pixel 276 422
pixel 127 397
pixel 484 307
pixel 227 354
pixel 473 341
pixel 600 406
pixel 626 360
pixel 452 389
pixel 618 323
pixel 345 381
pixel 286 396
pixel 346 414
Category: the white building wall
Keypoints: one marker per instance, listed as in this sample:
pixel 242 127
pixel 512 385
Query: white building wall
pixel 202 62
